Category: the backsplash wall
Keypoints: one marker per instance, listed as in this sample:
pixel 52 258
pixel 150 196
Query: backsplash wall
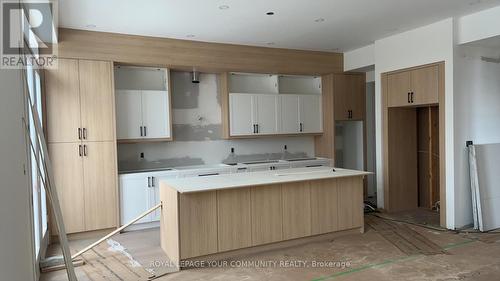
pixel 197 130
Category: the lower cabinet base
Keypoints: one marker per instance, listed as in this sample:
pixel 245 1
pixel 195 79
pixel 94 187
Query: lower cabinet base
pixel 270 247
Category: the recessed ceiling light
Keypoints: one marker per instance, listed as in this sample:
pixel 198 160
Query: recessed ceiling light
pixel 224 7
pixel 319 20
pixel 270 13
pixel 91 26
pixel 190 35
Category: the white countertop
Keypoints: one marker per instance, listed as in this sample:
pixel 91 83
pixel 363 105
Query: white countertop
pixel 207 183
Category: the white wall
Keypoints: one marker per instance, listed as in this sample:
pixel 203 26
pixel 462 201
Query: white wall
pixel 428 44
pixel 359 58
pixel 478 26
pixel 477 115
pixel 16 243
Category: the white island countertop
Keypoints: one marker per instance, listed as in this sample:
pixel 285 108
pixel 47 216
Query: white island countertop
pixel 236 180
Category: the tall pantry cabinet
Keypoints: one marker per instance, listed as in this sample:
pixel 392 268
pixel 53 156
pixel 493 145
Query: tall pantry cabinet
pixel 80 127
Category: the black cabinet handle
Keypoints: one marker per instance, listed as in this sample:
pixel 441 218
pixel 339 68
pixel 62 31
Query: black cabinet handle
pixel 141 131
pixel 79 133
pixel 145 131
pixel 80 150
pixel 254 129
pixel 411 97
pixel 206 175
pixel 301 127
pixel 153 181
pixel 84 133
pixel 149 181
pixel 257 127
pixel 84 150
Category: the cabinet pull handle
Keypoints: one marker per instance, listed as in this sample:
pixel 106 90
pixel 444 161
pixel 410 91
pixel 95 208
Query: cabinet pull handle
pixel 84 150
pixel 84 133
pixel 301 127
pixel 145 131
pixel 411 97
pixel 149 181
pixel 79 133
pixel 152 181
pixel 257 127
pixel 141 130
pixel 80 150
pixel 254 129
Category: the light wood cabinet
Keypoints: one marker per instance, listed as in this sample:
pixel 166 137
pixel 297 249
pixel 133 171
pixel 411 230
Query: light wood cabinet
pixel 267 214
pixel 67 166
pixel 233 219
pixel 414 87
pixel 349 96
pixel 296 210
pixel 324 212
pixel 99 178
pixel 350 202
pixel 81 139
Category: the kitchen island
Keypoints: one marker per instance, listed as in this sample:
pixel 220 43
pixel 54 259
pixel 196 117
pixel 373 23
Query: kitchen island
pixel 203 217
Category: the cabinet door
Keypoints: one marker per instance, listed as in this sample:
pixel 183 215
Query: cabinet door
pixel 340 92
pixel 267 114
pixel 267 216
pixel 68 177
pixel 310 114
pixel 289 114
pixel 350 202
pixel 234 228
pixel 425 85
pixel 357 96
pixel 324 212
pixel 97 100
pixel 99 169
pixel 62 97
pixel 156 114
pixel 128 114
pixel 134 199
pixel 398 89
pixel 241 113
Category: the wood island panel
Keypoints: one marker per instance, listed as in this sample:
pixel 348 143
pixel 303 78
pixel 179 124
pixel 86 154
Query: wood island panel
pixel 234 223
pixel 324 206
pixel 350 202
pixel 296 210
pixel 267 214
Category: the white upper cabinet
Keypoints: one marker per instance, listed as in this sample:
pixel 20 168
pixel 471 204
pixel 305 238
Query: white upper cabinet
pixel 155 114
pixel 310 114
pixel 261 104
pixel 142 104
pixel 290 114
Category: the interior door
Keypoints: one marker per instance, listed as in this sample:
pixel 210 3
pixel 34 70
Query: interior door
pixel 425 85
pixel 97 100
pixel 398 89
pixel 128 114
pixel 134 198
pixel 356 98
pixel 99 169
pixel 311 116
pixel 289 114
pixel 68 177
pixel 267 114
pixel 155 114
pixel 62 98
pixel 241 114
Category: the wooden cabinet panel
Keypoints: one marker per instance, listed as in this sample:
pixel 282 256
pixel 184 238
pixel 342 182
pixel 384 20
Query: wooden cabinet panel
pixel 97 100
pixel 62 97
pixel 340 90
pixel 425 85
pixel 100 176
pixel 398 89
pixel 402 162
pixel 198 224
pixel 68 177
pixel 357 96
pixel 350 202
pixel 324 210
pixel 296 210
pixel 267 214
pixel 234 223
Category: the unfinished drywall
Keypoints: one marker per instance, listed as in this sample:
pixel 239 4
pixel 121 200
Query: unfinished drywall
pixel 197 132
pixel 16 241
pixel 477 115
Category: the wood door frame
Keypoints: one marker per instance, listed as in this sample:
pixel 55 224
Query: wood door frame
pixel 442 144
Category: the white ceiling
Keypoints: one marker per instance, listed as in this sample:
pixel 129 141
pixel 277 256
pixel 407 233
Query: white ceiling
pixel 348 24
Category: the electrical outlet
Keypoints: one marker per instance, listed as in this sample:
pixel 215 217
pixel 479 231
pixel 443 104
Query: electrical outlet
pixel 141 155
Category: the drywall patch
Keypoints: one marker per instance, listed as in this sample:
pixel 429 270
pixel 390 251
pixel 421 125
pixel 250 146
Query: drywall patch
pixel 184 132
pixel 184 93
